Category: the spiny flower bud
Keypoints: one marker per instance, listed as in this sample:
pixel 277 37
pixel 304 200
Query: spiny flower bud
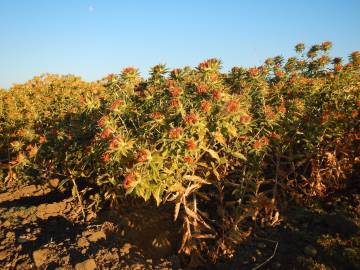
pixel 129 180
pixel 116 104
pixel 142 156
pixel 175 132
pixel 106 133
pixel 232 106
pixel 191 118
pixel 191 145
pixel 205 105
pixel 102 121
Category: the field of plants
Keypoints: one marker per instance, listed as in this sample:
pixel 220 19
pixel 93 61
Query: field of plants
pixel 239 167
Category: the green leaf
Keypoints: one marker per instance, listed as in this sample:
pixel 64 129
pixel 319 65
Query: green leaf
pixel 213 154
pixel 239 155
pixel 157 195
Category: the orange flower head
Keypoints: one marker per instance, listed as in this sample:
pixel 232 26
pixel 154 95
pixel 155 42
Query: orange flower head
pixel 191 145
pixel 232 106
pixel 216 94
pixel 107 132
pixel 116 104
pixel 175 91
pixel 175 133
pixel 129 180
pixel 170 83
pixel 102 121
pixel 191 118
pixel 205 105
pixel 174 103
pixel 201 88
pixel 244 119
pixel 338 67
pixel 188 159
pixel 110 77
pixel 354 113
pixel 129 70
pixel 253 72
pixel 105 157
pixel 115 142
pixel 156 115
pixel 326 45
pixel 142 156
pixel 279 73
pixel 32 150
pixel 275 136
pixel 42 139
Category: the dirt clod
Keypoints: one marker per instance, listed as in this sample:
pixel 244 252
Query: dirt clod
pixel 125 249
pixel 40 256
pixel 3 255
pixel 96 236
pixel 86 265
pixel 82 242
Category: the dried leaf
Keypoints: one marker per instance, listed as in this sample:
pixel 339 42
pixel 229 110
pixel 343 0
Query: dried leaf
pixel 213 154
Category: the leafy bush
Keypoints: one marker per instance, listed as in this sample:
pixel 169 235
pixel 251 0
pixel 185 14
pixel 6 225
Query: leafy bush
pixel 225 148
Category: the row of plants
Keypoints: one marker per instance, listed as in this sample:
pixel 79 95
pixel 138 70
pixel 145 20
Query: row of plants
pixel 224 148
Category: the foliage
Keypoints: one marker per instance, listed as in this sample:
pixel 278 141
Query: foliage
pixel 225 148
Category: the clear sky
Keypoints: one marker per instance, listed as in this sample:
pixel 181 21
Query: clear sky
pixel 94 38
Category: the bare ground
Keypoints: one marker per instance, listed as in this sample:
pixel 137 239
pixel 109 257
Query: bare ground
pixel 42 228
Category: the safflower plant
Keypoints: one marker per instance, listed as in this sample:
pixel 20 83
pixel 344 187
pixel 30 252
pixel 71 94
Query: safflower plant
pixel 223 148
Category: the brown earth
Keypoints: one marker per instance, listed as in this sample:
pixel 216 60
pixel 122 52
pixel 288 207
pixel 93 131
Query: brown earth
pixel 42 228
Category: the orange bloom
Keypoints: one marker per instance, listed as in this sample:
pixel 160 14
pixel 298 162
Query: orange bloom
pixel 105 157
pixel 174 103
pixel 128 180
pixel 245 119
pixel 110 77
pixel 217 94
pixel 253 72
pixel 231 106
pixel 243 138
pixel 275 136
pixel 106 133
pixel 101 122
pixel 201 88
pixel 338 67
pixel 188 159
pixel 21 133
pixel 282 108
pixel 156 115
pixel 279 73
pixel 191 118
pixel 42 139
pixel 116 104
pixel 354 113
pixel 191 145
pixel 129 70
pixel 205 105
pixel 115 142
pixel 258 144
pixel 269 114
pixel 326 45
pixel 175 132
pixel 32 150
pixel 170 83
pixel 142 156
pixel 175 91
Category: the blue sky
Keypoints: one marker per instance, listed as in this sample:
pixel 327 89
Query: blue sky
pixel 94 38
